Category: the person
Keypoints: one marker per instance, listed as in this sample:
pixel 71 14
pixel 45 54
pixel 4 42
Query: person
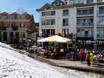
pixel 62 52
pixel 86 51
pixel 82 55
pixel 91 56
pixel 88 59
pixel 55 51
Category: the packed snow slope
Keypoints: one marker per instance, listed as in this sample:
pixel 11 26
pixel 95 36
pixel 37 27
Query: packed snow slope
pixel 15 65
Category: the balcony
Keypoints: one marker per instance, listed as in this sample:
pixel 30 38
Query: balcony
pixel 85 14
pixel 85 24
pixel 85 11
pixel 89 1
pixel 100 36
pixel 98 1
pixel 101 11
pixel 83 35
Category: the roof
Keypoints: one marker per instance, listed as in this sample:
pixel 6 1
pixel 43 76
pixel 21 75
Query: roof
pixel 66 6
pixel 46 6
pixel 52 5
pixel 57 2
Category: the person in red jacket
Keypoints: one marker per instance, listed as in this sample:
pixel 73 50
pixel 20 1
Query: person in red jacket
pixel 82 55
pixel 88 59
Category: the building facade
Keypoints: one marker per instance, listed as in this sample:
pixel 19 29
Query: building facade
pixel 15 27
pixel 83 18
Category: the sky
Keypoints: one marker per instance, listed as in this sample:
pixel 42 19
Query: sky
pixel 29 6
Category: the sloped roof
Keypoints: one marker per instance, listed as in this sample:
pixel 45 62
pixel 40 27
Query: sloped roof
pixel 46 6
pixel 52 5
pixel 59 4
pixel 4 13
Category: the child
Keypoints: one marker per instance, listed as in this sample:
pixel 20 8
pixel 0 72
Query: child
pixel 91 56
pixel 82 54
pixel 88 59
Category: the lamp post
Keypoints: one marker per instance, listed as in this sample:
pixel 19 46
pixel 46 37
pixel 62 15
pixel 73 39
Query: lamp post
pixel 74 40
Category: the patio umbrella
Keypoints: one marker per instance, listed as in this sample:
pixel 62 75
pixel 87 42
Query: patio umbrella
pixel 55 38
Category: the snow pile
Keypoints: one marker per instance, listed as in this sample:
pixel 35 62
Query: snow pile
pixel 15 65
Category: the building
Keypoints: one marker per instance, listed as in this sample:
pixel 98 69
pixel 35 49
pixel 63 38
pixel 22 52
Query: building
pixel 55 19
pixel 83 18
pixel 15 27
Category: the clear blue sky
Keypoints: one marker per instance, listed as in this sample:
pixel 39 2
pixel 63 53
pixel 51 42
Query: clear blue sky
pixel 23 5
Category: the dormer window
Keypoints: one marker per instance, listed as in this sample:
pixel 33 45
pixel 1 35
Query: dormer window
pixel 57 3
pixel 65 12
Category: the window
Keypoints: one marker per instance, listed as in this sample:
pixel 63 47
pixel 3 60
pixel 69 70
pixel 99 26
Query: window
pixel 52 31
pixel 53 12
pixel 0 36
pixel 43 32
pixel 100 33
pixel 4 17
pixel 101 20
pixel 13 17
pixel 3 28
pixel 101 10
pixel 65 12
pixel 43 22
pixel 15 27
pixel 48 22
pixel 84 32
pixel 89 1
pixel 80 1
pixel 65 22
pixel 48 13
pixel 65 31
pixel 0 17
pixel 5 36
pixel 43 13
pixel 52 21
pixel 99 0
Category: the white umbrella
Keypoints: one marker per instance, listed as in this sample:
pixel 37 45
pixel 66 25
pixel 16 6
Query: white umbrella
pixel 55 38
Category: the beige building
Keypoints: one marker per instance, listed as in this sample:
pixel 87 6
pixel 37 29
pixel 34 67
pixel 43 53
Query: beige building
pixel 15 27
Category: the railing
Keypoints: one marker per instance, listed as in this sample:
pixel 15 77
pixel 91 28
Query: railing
pixel 85 13
pixel 85 24
pixel 88 36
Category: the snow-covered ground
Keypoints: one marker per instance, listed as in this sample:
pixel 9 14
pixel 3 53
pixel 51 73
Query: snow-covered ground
pixel 15 65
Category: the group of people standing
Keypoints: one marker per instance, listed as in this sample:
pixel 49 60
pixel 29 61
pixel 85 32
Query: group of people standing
pixel 87 56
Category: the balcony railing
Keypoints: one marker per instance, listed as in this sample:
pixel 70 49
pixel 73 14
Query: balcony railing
pixel 100 36
pixel 91 13
pixel 85 11
pixel 101 11
pixel 85 24
pixel 83 35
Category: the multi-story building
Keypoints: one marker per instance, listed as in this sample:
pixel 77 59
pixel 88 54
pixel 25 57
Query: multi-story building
pixel 57 18
pixel 15 27
pixel 84 18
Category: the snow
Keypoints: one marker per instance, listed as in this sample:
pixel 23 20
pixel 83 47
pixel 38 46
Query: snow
pixel 16 65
